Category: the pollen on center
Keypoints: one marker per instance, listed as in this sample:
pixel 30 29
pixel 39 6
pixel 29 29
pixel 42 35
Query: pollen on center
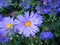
pixel 27 23
pixel 8 26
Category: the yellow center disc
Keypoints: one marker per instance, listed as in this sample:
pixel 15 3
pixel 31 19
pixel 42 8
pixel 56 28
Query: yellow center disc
pixel 27 24
pixel 8 26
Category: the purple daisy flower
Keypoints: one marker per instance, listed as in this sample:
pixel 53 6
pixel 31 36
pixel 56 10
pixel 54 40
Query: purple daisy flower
pixel 3 38
pixel 28 24
pixel 46 35
pixel 6 25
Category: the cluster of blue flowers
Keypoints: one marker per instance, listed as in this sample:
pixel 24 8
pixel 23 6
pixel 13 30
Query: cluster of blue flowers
pixel 44 7
pixel 4 3
pixel 46 35
pixel 51 7
pixel 27 24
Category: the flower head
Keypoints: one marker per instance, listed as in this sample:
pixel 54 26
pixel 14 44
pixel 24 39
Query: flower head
pixel 46 9
pixel 1 3
pixel 26 6
pixel 28 24
pixel 37 8
pixel 6 25
pixel 46 35
pixel 8 7
pixel 3 38
pixel 44 2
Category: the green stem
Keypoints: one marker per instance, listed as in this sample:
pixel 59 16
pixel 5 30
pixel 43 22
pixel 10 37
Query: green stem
pixel 31 43
pixel 46 42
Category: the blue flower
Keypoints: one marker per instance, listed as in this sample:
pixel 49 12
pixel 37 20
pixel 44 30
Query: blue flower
pixel 28 24
pixel 4 3
pixel 26 7
pixel 25 4
pixel 37 7
pixel 46 9
pixel 41 1
pixel 54 13
pixel 55 3
pixel 58 9
pixel 44 2
pixel 8 7
pixel 46 35
pixel 6 25
pixel 22 3
pixel 3 38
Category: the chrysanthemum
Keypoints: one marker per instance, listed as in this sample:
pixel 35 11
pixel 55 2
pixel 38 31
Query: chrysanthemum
pixel 28 24
pixel 6 25
pixel 46 35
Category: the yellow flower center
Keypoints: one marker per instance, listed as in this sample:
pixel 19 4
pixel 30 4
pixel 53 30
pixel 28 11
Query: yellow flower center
pixel 27 24
pixel 8 26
